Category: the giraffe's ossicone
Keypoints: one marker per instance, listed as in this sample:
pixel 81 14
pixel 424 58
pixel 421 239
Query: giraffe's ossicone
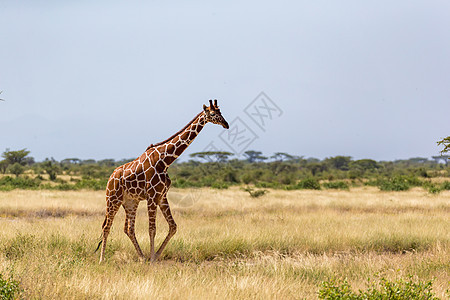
pixel 145 178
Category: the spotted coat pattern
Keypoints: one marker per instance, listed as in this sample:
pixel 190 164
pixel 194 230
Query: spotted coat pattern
pixel 145 178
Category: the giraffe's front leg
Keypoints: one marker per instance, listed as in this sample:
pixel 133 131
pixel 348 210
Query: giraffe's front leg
pixel 151 206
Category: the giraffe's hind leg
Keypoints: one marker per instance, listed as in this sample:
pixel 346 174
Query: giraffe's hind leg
pixel 165 209
pixel 131 206
pixel 113 204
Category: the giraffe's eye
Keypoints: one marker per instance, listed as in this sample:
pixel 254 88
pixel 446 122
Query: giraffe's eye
pixel 212 114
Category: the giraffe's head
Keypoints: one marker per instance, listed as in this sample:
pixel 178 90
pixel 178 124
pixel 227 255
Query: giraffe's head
pixel 213 115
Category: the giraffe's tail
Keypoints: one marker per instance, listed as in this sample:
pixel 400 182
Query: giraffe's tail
pixel 101 236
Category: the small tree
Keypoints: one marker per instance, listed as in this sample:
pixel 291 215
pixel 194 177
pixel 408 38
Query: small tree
pixel 50 168
pixel 3 166
pixel 16 169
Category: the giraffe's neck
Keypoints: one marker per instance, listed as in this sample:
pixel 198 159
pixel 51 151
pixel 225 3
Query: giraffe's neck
pixel 172 148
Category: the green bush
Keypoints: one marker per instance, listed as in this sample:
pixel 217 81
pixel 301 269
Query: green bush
pixel 9 288
pixel 309 183
pixel 255 193
pixel 16 169
pixel 445 185
pixel 432 188
pixel 184 183
pixel 9 183
pixel 385 289
pixel 397 183
pixel 219 185
pixel 340 185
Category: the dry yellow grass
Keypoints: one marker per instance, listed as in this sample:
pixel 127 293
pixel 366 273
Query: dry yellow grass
pixel 228 245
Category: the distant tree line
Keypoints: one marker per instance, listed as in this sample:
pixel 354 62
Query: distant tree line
pixel 218 169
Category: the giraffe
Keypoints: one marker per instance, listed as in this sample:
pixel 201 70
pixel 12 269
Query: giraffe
pixel 145 178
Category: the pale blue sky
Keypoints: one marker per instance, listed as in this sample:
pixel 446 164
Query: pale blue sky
pixel 368 79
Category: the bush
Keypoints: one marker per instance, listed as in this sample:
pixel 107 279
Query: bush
pixel 309 183
pixel 445 185
pixel 432 187
pixel 265 184
pixel 219 185
pixel 16 169
pixel 183 183
pixel 341 185
pixel 255 193
pixel 9 183
pixel 9 288
pixel 385 289
pixel 398 183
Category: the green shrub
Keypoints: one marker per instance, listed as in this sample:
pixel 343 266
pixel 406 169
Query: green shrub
pixel 397 183
pixel 65 187
pixel 184 183
pixel 8 183
pixel 9 288
pixel 16 169
pixel 265 184
pixel 220 185
pixel 432 188
pixel 309 183
pixel 340 185
pixel 385 289
pixel 445 185
pixel 255 193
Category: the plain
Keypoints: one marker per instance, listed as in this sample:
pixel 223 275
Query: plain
pixel 228 245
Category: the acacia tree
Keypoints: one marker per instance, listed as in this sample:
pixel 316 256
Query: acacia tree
pixel 14 161
pixel 282 156
pixel 213 156
pixel 446 143
pixel 254 156
pixel 19 156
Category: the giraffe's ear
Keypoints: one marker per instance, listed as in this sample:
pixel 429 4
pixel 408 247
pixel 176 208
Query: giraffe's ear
pixel 204 107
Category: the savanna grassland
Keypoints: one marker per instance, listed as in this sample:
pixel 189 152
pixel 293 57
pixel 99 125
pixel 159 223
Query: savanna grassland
pixel 282 245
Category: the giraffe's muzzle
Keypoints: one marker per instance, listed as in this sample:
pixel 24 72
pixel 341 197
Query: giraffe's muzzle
pixel 225 125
